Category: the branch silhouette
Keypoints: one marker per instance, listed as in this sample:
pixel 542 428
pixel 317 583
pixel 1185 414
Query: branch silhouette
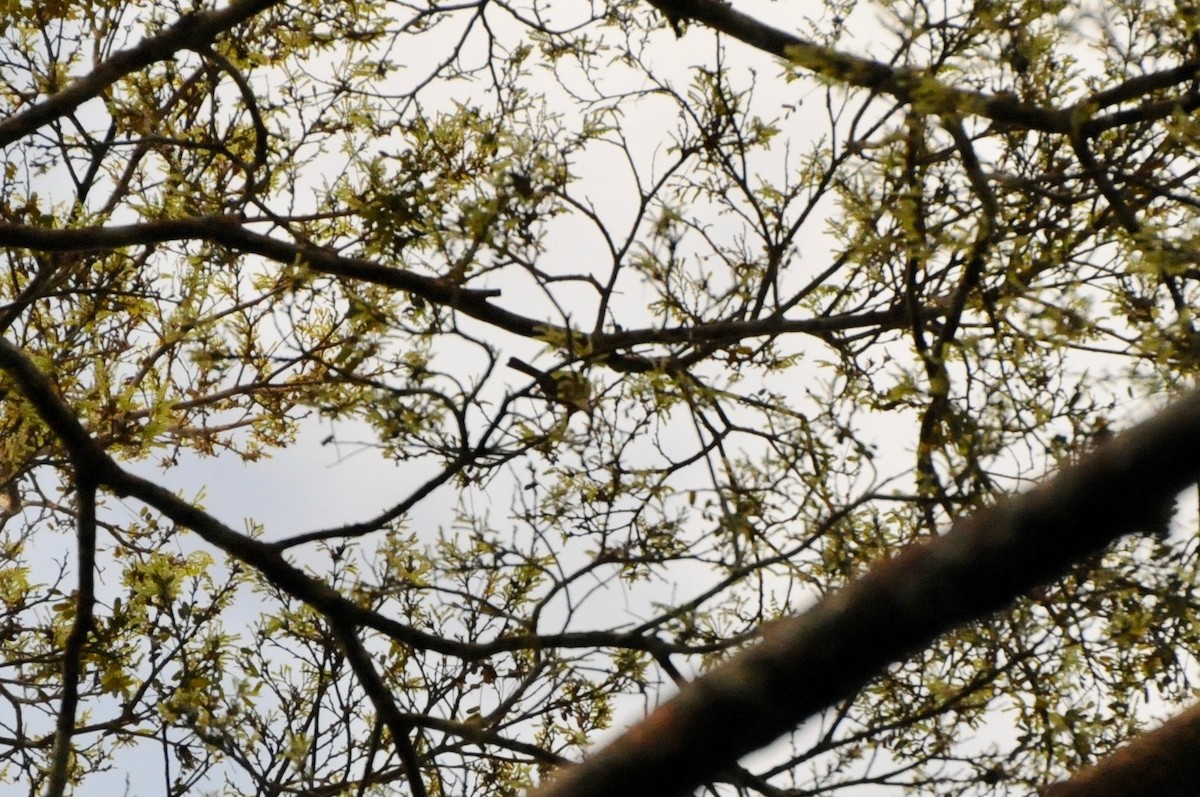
pixel 609 348
pixel 914 86
pixel 192 32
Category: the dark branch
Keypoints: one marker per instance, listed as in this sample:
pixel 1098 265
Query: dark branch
pixel 912 86
pixel 191 32
pixel 265 557
pixel 229 231
pixel 385 704
pixel 905 84
pixel 81 629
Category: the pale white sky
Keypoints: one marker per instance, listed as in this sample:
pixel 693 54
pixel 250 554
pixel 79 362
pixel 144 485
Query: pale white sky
pixel 311 485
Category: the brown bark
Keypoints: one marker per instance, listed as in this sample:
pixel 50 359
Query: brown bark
pixel 1164 762
pixel 901 605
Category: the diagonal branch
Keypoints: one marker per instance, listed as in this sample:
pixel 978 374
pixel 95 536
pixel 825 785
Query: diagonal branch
pixel 901 605
pixel 91 458
pixel 385 704
pixel 1162 762
pixel 190 32
pixel 914 87
pixel 905 84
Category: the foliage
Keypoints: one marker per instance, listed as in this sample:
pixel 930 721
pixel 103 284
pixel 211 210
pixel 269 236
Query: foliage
pixel 667 323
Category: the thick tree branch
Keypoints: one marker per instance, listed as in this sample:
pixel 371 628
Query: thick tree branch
pixel 815 659
pixel 191 32
pixel 1162 762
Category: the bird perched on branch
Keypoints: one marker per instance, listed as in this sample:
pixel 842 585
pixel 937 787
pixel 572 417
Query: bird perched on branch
pixel 568 388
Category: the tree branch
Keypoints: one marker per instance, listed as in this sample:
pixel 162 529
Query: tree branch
pixel 901 605
pixel 229 231
pixel 911 86
pixel 1162 762
pixel 81 628
pixel 191 32
pixel 266 558
pixel 385 704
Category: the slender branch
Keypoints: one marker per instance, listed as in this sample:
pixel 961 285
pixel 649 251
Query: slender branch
pixel 376 523
pixel 1099 175
pixel 913 86
pixel 251 102
pixel 1124 213
pixel 85 599
pixel 900 606
pixel 230 231
pixel 484 737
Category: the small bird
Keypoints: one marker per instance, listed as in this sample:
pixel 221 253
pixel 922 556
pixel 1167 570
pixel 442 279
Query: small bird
pixel 10 501
pixel 568 388
pixel 523 185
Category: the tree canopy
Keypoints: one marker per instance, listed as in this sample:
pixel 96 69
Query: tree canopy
pixel 726 350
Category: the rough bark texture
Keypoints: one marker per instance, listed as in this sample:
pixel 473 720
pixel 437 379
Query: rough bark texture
pixel 901 605
pixel 1164 762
